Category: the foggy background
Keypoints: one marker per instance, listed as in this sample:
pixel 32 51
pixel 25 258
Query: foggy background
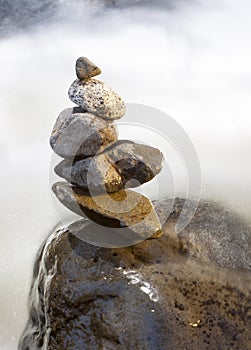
pixel 190 59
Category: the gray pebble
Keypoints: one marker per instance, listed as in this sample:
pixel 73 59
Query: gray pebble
pixel 78 134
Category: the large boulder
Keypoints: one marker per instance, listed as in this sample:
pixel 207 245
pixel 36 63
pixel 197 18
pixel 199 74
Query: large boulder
pixel 156 295
pixel 215 233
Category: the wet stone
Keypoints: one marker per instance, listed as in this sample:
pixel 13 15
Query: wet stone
pixel 79 134
pixel 124 164
pixel 152 296
pixel 97 98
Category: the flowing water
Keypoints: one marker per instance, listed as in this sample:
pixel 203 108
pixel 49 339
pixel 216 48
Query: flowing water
pixel 190 59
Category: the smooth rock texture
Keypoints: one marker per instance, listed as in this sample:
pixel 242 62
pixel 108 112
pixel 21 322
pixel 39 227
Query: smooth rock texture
pixel 97 98
pixel 79 134
pixel 152 296
pixel 124 164
pixel 123 208
pixel 86 69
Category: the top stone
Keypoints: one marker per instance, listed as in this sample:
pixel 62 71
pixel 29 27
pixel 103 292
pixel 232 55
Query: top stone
pixel 86 69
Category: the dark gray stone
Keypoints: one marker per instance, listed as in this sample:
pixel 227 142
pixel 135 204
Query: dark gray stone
pixel 124 164
pixel 152 296
pixel 80 135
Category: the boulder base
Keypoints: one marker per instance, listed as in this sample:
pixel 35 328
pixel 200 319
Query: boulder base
pixel 156 295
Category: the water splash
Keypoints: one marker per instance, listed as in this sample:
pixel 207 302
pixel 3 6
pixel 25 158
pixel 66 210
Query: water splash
pixel 145 286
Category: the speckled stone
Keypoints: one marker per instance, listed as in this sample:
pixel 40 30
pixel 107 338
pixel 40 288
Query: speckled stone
pixel 86 69
pixel 123 208
pixel 97 98
pixel 124 164
pixel 80 135
pixel 152 296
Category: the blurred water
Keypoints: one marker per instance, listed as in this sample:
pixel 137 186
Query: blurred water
pixel 16 15
pixel 192 62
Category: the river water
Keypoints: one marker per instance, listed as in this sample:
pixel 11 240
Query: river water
pixel 191 60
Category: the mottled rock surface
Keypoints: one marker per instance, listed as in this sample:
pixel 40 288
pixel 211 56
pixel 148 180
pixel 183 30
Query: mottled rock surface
pixel 215 234
pixel 86 69
pixel 152 296
pixel 80 135
pixel 97 98
pixel 123 208
pixel 124 164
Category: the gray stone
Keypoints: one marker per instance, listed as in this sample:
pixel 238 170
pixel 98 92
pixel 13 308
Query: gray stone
pixel 80 135
pixel 97 98
pixel 86 69
pixel 123 208
pixel 124 164
pixel 152 296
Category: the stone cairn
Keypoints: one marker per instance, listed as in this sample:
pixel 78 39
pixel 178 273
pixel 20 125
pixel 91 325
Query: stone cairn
pixel 97 166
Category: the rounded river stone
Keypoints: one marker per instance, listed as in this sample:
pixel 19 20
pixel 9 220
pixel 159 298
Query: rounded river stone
pixel 79 134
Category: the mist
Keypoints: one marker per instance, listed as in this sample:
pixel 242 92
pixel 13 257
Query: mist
pixel 190 59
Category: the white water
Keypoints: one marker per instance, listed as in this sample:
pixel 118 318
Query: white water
pixel 193 63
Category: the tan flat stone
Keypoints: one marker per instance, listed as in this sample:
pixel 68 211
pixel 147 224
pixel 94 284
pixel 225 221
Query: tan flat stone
pixel 124 208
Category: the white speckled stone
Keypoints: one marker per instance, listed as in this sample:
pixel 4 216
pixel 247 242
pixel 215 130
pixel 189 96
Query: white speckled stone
pixel 97 98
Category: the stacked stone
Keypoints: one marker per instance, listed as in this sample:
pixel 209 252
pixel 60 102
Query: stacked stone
pixel 97 166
